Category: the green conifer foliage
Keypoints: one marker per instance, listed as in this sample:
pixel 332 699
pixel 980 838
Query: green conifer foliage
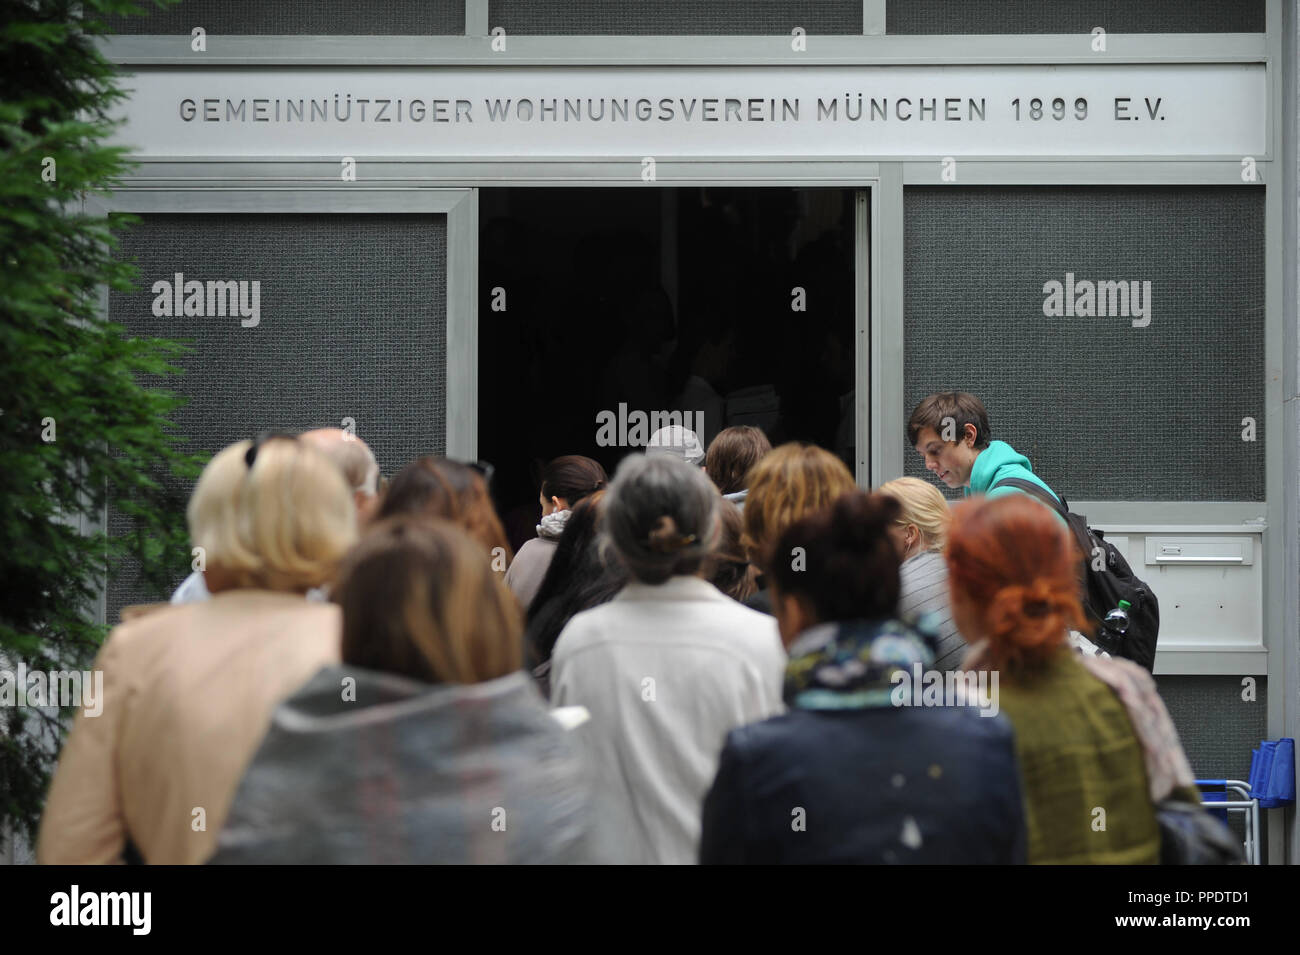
pixel 83 414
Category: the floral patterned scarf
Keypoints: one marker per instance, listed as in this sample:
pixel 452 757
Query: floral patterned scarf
pixel 847 665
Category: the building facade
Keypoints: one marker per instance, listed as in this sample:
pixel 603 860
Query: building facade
pixel 1085 212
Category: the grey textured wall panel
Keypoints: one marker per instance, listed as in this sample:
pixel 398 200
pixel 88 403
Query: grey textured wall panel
pixel 300 18
pixel 353 324
pixel 1218 728
pixel 1103 410
pixel 675 17
pixel 1074 16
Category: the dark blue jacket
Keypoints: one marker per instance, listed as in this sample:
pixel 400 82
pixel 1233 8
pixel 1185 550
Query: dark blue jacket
pixel 880 785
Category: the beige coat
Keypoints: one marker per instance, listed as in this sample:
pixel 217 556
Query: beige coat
pixel 188 696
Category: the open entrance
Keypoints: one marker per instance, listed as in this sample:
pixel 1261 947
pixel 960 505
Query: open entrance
pixel 726 306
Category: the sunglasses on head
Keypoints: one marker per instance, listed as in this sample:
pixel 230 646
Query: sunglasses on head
pixel 251 454
pixel 485 469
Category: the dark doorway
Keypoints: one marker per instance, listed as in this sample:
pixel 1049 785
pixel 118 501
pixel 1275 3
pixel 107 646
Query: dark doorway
pixel 734 304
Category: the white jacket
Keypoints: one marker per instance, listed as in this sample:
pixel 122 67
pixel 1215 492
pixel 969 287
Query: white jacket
pixel 666 671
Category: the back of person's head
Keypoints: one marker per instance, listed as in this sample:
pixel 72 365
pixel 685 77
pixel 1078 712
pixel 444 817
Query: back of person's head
pixel 437 487
pixel 676 441
pixel 575 550
pixel 419 600
pixel 357 462
pixel 214 503
pixel 572 477
pixel 352 456
pixel 961 407
pixel 791 482
pixel 924 507
pixel 661 516
pixel 846 566
pixel 731 455
pixel 282 522
pixel 1011 575
pixel 727 568
pixel 578 578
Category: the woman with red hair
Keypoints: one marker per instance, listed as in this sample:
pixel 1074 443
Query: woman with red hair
pixel 1084 774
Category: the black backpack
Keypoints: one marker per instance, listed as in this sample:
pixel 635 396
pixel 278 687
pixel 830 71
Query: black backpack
pixel 1105 588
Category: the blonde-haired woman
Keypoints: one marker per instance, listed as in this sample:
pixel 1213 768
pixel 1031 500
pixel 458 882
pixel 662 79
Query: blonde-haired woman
pixel 920 535
pixel 188 690
pixel 785 486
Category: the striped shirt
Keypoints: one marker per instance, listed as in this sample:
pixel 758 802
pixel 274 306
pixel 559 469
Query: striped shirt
pixel 923 591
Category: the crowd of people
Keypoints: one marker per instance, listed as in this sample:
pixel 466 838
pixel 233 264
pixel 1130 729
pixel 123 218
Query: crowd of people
pixel 697 660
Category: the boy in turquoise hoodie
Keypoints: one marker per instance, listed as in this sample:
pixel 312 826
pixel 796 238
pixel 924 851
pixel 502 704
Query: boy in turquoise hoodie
pixel 950 430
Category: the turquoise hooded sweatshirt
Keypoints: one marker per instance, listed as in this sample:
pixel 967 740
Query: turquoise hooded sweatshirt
pixel 1000 460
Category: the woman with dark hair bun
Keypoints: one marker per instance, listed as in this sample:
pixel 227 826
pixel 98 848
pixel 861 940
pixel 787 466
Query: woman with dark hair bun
pixel 858 771
pixel 565 482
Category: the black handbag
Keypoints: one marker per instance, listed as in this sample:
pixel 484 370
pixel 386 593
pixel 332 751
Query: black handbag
pixel 1191 836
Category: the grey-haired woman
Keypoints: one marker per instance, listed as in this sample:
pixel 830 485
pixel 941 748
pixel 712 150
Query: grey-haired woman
pixel 668 667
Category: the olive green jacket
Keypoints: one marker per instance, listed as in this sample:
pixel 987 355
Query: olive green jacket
pixel 1081 768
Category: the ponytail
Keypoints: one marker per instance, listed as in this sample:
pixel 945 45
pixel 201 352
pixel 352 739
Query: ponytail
pixel 1012 562
pixel 573 477
pixel 1030 618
